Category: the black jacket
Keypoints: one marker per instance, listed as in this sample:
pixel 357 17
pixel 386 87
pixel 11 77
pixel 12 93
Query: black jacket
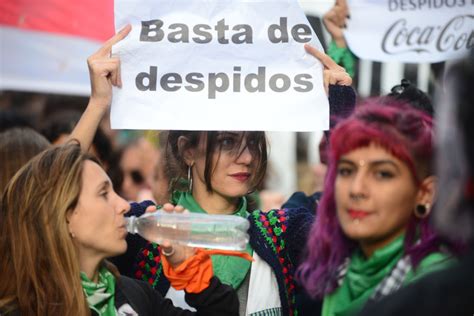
pixel 447 292
pixel 217 299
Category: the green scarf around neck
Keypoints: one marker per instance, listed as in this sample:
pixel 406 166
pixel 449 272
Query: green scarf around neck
pixel 100 296
pixel 229 269
pixel 362 277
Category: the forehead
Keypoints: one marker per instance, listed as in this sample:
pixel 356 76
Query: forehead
pixel 93 174
pixel 370 153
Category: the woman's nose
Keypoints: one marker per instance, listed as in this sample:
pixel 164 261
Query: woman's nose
pixel 245 156
pixel 358 188
pixel 122 205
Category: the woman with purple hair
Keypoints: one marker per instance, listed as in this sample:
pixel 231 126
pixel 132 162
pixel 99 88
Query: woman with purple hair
pixel 373 234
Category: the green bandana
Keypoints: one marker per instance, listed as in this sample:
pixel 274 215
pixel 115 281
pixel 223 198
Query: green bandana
pixel 362 277
pixel 100 296
pixel 229 269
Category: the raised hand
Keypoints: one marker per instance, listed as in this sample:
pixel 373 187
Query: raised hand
pixel 333 73
pixel 104 70
pixel 335 21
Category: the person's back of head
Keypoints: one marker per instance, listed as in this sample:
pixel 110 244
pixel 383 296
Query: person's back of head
pixel 17 147
pixel 408 93
pixel 60 125
pixel 13 119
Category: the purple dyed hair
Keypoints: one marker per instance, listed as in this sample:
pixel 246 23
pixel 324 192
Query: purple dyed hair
pixel 408 135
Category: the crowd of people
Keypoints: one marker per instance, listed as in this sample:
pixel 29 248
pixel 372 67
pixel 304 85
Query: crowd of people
pixel 389 230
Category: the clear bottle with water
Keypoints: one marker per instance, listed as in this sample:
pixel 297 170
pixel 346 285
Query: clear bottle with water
pixel 227 232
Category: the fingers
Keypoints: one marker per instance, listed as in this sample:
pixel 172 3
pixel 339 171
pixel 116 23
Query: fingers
pixel 105 67
pixel 150 209
pixel 170 208
pixel 341 78
pixel 323 58
pixel 179 209
pixel 106 48
pixel 119 76
pixel 326 75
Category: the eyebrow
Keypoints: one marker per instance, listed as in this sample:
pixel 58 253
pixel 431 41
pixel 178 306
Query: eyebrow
pixel 372 163
pixel 104 185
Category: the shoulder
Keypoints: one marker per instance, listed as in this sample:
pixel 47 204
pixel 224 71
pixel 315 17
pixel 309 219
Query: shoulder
pixel 279 221
pixel 282 216
pixel 283 229
pixel 433 262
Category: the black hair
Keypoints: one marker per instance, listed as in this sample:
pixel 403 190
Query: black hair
pixel 408 93
pixel 63 122
pixel 256 142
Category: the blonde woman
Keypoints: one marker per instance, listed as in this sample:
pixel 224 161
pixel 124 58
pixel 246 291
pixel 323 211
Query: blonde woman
pixel 60 219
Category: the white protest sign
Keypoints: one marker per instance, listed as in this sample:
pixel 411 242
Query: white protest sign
pixel 410 30
pixel 217 65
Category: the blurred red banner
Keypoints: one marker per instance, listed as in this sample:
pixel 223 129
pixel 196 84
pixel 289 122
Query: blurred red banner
pixel 91 19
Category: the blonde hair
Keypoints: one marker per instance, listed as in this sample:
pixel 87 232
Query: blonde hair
pixel 39 266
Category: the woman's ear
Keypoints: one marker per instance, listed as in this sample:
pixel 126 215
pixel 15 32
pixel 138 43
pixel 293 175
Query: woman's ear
pixel 69 215
pixel 427 191
pixel 186 151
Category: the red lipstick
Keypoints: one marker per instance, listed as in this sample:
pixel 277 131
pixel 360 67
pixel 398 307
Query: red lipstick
pixel 241 176
pixel 357 214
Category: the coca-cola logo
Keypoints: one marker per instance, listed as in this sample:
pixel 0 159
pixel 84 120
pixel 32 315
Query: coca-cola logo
pixel 454 35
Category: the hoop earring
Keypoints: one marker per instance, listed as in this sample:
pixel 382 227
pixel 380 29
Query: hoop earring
pixel 190 179
pixel 422 210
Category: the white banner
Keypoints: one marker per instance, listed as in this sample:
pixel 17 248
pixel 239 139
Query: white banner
pixel 217 65
pixel 410 30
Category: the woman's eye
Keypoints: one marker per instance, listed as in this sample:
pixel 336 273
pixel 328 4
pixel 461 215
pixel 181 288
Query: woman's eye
pixel 104 194
pixel 227 143
pixel 384 174
pixel 344 171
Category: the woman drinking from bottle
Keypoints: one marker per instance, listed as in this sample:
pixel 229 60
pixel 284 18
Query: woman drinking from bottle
pixel 60 219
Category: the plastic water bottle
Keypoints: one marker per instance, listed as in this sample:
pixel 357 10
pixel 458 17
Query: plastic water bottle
pixel 227 232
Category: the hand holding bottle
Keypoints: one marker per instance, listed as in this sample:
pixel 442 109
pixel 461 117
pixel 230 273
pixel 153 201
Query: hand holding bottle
pixel 175 253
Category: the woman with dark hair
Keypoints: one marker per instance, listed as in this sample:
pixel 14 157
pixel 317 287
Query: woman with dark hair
pixel 373 234
pixel 219 169
pixel 60 219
